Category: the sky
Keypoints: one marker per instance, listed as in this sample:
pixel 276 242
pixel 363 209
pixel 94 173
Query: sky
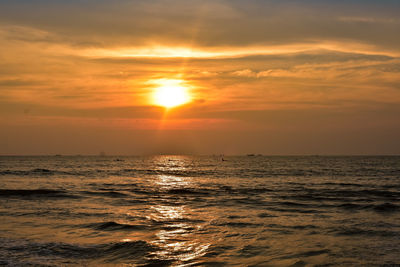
pixel 270 77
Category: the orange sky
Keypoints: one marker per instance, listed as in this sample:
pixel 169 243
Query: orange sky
pixel 271 77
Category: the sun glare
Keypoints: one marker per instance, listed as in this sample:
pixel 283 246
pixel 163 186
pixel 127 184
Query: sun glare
pixel 171 93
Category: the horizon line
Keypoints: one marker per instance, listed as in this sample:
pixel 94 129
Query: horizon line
pixel 208 155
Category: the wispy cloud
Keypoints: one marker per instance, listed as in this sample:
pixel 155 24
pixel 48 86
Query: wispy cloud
pixel 370 20
pixel 203 25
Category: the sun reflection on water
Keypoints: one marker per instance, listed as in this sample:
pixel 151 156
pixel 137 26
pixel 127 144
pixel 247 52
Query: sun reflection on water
pixel 172 182
pixel 179 239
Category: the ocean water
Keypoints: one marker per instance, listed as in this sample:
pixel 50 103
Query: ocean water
pixel 199 211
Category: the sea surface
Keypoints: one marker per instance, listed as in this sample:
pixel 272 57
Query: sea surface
pixel 200 211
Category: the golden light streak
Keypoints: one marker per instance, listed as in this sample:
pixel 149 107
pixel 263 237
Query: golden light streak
pixel 232 52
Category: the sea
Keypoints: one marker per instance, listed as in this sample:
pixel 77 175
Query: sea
pixel 171 210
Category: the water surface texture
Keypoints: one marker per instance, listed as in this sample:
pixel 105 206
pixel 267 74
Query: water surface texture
pixel 200 211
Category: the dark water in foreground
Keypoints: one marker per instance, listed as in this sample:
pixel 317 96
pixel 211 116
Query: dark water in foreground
pixel 201 211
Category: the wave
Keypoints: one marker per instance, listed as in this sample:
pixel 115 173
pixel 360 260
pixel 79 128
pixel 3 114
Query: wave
pixel 172 191
pixel 167 222
pixel 309 253
pixel 107 193
pixel 132 251
pixel 36 172
pixel 187 191
pixel 380 208
pixel 23 252
pixel 287 206
pixel 243 190
pixel 35 193
pixel 354 231
pixel 238 224
pixel 114 226
pixel 266 215
pixel 249 251
pixel 386 207
pixel 180 173
pixel 343 194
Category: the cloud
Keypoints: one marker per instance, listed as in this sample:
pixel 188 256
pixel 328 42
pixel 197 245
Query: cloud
pixel 204 24
pixel 350 71
pixel 370 20
pixel 252 66
pixel 338 66
pixel 245 73
pixel 24 33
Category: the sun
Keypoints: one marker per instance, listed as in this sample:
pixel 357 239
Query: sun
pixel 171 93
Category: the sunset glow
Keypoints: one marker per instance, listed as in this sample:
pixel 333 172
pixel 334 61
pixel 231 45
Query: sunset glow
pixel 205 77
pixel 200 133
